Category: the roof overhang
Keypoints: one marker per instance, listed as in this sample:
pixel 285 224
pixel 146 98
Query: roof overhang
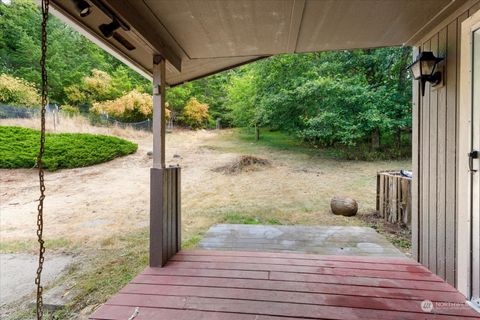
pixel 202 37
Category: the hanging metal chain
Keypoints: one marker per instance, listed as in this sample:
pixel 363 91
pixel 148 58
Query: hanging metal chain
pixel 41 175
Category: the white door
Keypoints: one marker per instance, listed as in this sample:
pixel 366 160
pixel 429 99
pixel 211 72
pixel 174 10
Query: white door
pixel 468 245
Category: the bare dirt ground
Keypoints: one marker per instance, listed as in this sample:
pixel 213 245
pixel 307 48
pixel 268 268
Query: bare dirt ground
pixel 93 203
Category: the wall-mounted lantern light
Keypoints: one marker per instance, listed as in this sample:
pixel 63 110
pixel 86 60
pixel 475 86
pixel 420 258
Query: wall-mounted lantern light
pixel 423 69
pixel 82 7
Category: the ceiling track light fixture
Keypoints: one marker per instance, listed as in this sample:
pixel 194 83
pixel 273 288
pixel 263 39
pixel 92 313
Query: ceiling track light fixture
pixel 107 29
pixel 82 7
pixel 124 42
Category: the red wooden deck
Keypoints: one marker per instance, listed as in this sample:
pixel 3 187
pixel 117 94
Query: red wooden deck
pixel 213 285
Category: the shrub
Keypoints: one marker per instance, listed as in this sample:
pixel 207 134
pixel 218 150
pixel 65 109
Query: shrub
pixel 97 87
pixel 18 92
pixel 133 106
pixel 195 114
pixel 69 110
pixel 19 148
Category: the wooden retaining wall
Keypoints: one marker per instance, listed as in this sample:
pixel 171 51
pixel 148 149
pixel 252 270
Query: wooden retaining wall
pixel 394 197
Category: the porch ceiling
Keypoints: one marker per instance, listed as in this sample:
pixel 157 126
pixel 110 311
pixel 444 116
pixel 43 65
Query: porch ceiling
pixel 203 37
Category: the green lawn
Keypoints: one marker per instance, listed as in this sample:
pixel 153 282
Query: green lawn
pixel 282 141
pixel 19 148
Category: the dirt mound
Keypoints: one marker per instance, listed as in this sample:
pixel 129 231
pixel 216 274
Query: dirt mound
pixel 243 164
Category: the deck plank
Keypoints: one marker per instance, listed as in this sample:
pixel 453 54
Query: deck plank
pixel 269 308
pixel 366 264
pixel 112 312
pixel 234 274
pixel 299 277
pixel 337 300
pixel 362 281
pixel 277 286
pixel 420 276
pixel 302 256
pixel 394 293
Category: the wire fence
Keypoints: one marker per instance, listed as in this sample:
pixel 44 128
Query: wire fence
pixel 8 112
pixel 15 112
pixel 104 119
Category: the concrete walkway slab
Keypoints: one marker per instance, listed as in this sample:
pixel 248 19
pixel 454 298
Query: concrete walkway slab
pixel 327 240
pixel 17 274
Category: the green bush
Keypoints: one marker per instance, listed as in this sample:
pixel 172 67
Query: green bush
pixel 69 110
pixel 19 148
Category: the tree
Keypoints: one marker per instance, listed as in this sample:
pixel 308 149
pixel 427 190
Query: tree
pixel 241 93
pixel 132 107
pixel 329 98
pixel 97 87
pixel 178 97
pixel 212 91
pixel 195 114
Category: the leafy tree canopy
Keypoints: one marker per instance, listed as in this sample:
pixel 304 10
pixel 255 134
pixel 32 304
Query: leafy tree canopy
pixel 327 98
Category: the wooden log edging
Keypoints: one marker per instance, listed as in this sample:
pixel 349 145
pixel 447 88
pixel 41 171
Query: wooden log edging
pixel 394 197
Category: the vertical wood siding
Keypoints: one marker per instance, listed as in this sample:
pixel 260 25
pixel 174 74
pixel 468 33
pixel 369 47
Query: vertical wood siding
pixel 435 158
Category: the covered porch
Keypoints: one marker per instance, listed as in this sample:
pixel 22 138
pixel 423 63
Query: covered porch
pixel 176 42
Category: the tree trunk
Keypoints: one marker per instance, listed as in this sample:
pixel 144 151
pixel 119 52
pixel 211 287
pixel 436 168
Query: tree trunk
pixel 257 133
pixel 402 76
pixel 376 139
pixel 398 138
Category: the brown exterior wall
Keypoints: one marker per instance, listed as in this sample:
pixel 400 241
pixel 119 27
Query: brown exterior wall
pixel 435 157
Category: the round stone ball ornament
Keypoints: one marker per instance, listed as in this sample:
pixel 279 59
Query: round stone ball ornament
pixel 344 206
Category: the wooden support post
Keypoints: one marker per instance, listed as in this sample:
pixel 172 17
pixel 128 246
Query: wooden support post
pixel 158 112
pixel 165 218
